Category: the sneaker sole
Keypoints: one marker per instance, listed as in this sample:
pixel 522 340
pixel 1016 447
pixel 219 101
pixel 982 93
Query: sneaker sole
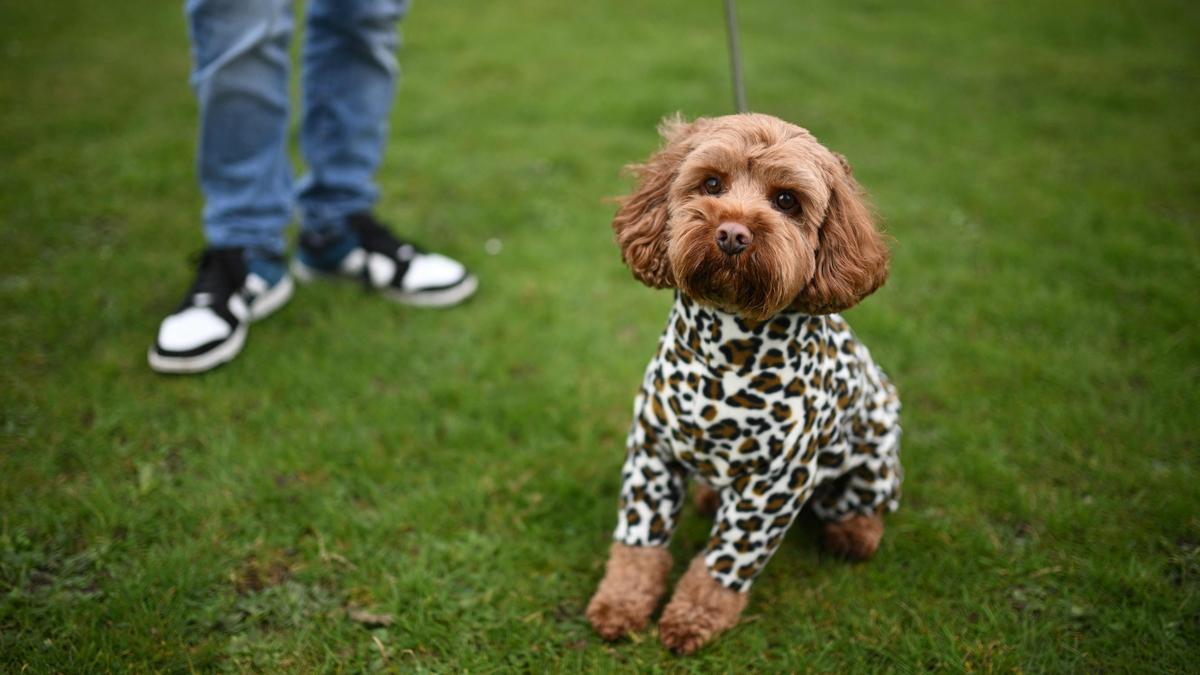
pixel 441 297
pixel 180 365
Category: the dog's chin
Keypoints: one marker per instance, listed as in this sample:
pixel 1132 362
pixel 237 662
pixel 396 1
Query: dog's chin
pixel 748 284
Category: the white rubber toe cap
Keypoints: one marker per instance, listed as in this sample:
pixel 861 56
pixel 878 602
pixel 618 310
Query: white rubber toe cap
pixel 431 271
pixel 191 328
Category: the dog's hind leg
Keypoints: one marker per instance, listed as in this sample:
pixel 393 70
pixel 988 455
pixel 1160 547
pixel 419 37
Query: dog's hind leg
pixel 853 505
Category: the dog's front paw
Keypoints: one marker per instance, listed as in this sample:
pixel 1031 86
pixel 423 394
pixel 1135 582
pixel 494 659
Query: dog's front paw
pixel 700 609
pixel 613 615
pixel 856 538
pixel 634 580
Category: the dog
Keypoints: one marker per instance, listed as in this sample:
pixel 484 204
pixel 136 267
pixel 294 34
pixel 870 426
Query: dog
pixel 758 391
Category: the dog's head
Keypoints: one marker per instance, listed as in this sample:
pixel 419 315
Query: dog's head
pixel 752 215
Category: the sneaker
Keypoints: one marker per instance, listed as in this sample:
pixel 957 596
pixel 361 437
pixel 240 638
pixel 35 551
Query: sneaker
pixel 209 327
pixel 397 268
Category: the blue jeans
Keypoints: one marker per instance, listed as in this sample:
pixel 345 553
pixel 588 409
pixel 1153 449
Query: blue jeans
pixel 240 75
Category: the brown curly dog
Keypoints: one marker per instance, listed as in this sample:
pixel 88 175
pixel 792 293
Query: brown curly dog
pixel 759 391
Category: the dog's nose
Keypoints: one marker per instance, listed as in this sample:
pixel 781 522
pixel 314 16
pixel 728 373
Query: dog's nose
pixel 733 238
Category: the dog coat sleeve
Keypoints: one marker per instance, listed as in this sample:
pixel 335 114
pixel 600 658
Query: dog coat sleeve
pixel 652 487
pixel 746 533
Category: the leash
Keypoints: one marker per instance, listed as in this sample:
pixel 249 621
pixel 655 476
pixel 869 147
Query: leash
pixel 735 57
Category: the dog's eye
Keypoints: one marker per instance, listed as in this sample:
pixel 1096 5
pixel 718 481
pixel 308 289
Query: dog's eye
pixel 711 185
pixel 786 201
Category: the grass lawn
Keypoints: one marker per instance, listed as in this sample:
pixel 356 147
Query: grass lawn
pixel 1037 163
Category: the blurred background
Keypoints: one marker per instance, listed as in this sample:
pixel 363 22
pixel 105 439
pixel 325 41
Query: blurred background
pixel 456 472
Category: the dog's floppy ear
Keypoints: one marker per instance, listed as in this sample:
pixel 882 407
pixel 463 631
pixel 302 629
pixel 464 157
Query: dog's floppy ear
pixel 852 255
pixel 641 221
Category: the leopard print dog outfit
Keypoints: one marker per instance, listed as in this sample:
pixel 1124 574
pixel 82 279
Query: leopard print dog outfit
pixel 773 415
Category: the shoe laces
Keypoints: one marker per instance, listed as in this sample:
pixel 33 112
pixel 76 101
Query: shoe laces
pixel 375 237
pixel 221 273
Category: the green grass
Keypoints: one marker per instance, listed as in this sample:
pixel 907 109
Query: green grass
pixel 1037 163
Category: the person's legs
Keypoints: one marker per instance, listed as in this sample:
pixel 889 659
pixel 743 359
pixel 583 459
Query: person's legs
pixel 349 79
pixel 240 75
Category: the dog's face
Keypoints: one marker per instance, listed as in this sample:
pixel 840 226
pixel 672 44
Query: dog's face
pixel 752 215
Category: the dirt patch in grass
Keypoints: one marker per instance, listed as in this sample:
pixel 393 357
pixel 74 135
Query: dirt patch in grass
pixel 256 574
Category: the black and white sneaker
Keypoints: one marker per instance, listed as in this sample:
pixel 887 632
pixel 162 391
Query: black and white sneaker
pixel 208 327
pixel 369 252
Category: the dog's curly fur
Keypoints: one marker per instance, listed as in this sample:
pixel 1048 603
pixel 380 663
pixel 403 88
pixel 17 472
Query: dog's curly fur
pixel 634 579
pixel 823 259
pixel 699 609
pixel 748 333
